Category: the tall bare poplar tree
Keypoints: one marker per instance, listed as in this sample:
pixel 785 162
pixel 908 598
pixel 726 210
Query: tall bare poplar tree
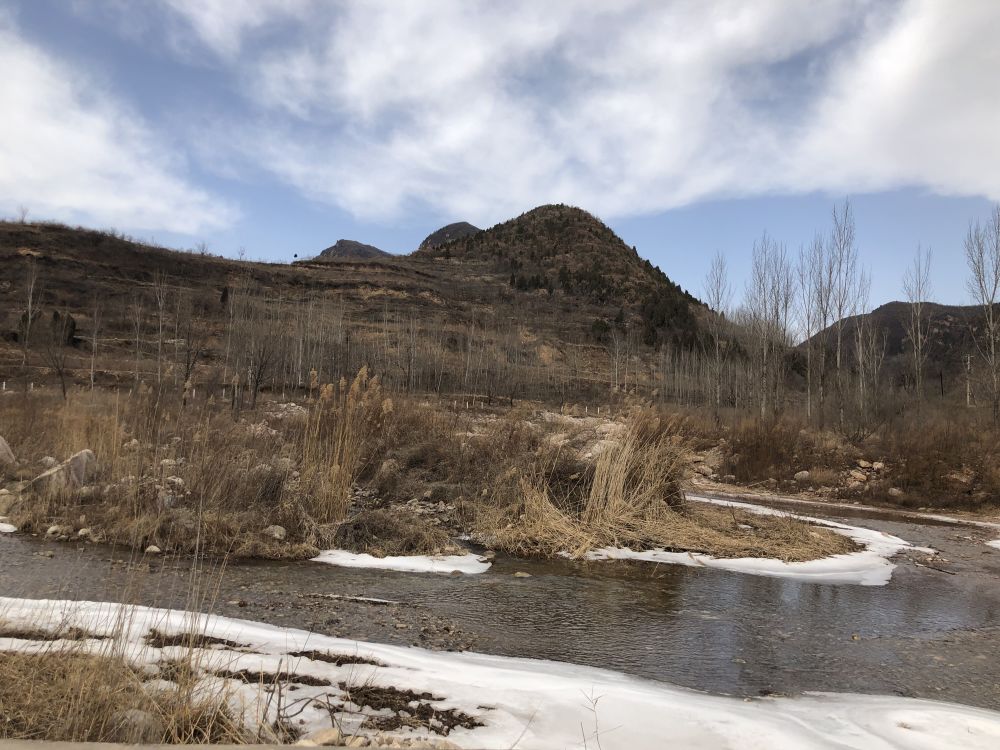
pixel 917 287
pixel 718 296
pixel 982 252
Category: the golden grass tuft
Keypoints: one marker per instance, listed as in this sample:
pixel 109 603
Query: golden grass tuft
pixel 631 497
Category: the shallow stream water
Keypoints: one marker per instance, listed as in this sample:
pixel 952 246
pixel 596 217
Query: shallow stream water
pixel 927 633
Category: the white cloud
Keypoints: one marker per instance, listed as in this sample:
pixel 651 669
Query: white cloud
pixel 479 110
pixel 69 151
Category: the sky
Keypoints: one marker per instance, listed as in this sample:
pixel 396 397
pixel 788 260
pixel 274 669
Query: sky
pixel 268 129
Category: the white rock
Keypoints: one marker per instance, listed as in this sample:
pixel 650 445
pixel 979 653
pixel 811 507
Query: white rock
pixel 878 466
pixel 153 550
pixel 802 476
pixel 276 532
pixel 858 476
pixel 522 574
pixel 864 464
pixel 72 474
pixel 331 736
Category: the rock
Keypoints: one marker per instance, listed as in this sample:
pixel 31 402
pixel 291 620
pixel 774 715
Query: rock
pixel 878 466
pixel 802 476
pixel 489 555
pixel 84 534
pixel 165 500
pixel 331 736
pixel 357 740
pixel 6 454
pixel 176 483
pixel 895 492
pixel 153 550
pixel 276 532
pixel 703 469
pixel 858 476
pixel 131 445
pixel 48 462
pixel 139 727
pixel 522 574
pixel 69 475
pixel 55 531
pixel 864 464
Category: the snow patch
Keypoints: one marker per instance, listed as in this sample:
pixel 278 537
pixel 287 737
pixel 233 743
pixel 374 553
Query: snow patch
pixel 535 705
pixel 869 567
pixel 995 544
pixel 468 564
pixel 6 528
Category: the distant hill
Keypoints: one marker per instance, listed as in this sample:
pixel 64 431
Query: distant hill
pixel 450 233
pixel 352 250
pixel 949 342
pixel 559 248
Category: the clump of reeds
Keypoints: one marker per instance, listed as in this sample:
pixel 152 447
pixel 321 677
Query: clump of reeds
pixel 631 497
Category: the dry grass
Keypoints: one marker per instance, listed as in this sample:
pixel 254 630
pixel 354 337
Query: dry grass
pixel 67 695
pixel 384 533
pixel 193 480
pixel 631 497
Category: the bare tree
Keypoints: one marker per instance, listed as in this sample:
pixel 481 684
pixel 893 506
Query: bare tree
pixel 95 317
pixel 982 253
pixel 718 297
pixel 768 302
pixel 135 315
pixel 55 339
pixel 22 214
pixel 30 306
pixel 843 257
pixel 917 287
pixel 160 298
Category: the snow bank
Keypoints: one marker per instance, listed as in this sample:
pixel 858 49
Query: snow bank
pixel 533 705
pixel 995 544
pixel 869 567
pixel 6 528
pixel 469 563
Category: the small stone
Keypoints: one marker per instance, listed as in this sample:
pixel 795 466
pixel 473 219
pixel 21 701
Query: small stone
pixel 331 736
pixel 522 574
pixel 84 534
pixel 895 492
pixel 153 550
pixel 864 464
pixel 878 466
pixel 54 530
pixel 802 476
pixel 858 476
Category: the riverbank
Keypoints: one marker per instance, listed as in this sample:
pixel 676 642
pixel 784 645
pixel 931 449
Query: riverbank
pixel 476 700
pixel 355 471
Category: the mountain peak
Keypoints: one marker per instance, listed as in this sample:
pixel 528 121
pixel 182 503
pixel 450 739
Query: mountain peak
pixel 352 250
pixel 449 233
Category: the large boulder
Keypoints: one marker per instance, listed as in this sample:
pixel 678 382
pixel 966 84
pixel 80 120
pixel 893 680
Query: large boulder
pixel 71 474
pixel 6 454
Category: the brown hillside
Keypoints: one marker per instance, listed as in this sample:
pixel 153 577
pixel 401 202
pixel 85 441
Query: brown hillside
pixel 565 249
